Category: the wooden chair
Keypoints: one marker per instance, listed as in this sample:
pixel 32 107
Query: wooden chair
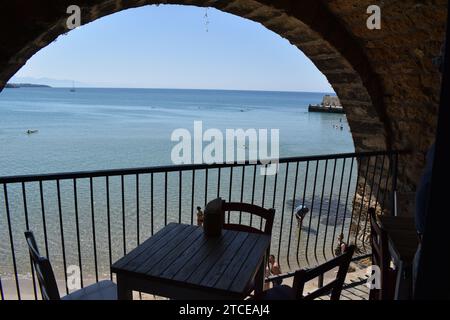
pixel 267 214
pixel 381 258
pixel 103 290
pixel 301 277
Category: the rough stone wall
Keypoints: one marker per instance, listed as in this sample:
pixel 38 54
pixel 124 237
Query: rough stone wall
pixel 401 56
pixel 384 78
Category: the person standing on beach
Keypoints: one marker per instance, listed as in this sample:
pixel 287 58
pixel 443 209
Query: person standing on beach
pixel 275 270
pixel 341 246
pixel 300 213
pixel 200 217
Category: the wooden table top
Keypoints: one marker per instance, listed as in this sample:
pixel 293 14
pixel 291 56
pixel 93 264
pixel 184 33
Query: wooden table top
pixel 402 235
pixel 182 255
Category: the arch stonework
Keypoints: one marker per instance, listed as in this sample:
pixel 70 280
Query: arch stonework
pixel 384 78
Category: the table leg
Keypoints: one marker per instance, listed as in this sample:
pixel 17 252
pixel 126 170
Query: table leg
pixel 260 277
pixel 123 293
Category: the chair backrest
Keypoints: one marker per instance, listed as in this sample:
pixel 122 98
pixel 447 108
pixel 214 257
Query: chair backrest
pixel 267 214
pixel 380 257
pixel 334 287
pixel 44 271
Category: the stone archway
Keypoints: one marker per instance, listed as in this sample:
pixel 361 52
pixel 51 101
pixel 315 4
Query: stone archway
pixel 362 111
pixel 384 78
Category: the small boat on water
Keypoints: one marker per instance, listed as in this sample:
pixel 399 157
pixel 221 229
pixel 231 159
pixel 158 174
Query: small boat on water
pixel 32 131
pixel 73 87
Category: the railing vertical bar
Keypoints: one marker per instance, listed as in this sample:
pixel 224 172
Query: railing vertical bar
pixel 311 211
pixel 165 198
pixel 253 192
pixel 242 191
pixel 108 215
pixel 274 199
pixel 370 201
pixel 180 193
pixel 44 224
pixel 286 176
pixel 11 240
pixel 94 239
pixel 292 214
pixel 387 183
pixel 338 206
pixel 354 200
pixel 394 186
pixel 138 233
pixel 263 194
pixel 77 227
pixel 329 209
pixel 347 198
pixel 2 295
pixel 218 182
pixel 192 197
pixel 27 226
pixel 151 205
pixel 320 210
pixel 362 199
pixel 275 190
pixel 206 186
pixel 231 187
pixel 379 182
pixel 300 225
pixel 124 237
pixel 306 180
pixel 61 227
pixel 373 179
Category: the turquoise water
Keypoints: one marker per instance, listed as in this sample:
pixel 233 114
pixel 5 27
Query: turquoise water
pixel 120 128
pixel 94 129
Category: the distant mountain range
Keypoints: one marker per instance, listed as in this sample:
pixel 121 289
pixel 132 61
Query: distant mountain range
pixel 54 83
pixel 26 85
pixel 45 82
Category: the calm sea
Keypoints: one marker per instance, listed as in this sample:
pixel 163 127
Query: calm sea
pixel 121 128
pixel 94 129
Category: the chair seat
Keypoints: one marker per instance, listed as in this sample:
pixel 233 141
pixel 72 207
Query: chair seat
pixel 281 292
pixel 103 290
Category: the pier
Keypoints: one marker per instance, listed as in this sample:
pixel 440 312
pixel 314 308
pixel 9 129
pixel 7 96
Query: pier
pixel 330 104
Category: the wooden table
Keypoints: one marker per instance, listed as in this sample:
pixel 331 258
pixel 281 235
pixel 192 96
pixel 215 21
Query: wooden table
pixel 180 262
pixel 403 242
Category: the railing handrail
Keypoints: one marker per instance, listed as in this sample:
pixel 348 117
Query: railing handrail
pixel 177 168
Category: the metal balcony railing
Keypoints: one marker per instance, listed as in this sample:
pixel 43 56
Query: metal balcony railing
pixel 90 219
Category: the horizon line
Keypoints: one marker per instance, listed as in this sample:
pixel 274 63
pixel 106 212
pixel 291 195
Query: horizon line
pixel 164 88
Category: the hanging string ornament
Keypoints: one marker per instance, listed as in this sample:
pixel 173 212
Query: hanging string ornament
pixel 206 20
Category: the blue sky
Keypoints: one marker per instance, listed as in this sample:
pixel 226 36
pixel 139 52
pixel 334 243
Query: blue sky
pixel 169 47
